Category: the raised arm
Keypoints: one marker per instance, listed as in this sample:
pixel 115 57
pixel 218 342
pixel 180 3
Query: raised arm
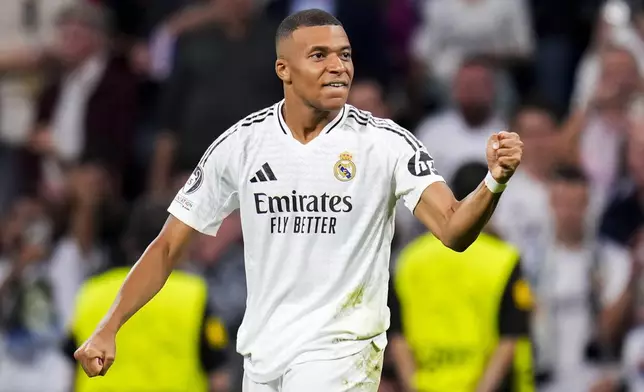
pixel 458 223
pixel 143 282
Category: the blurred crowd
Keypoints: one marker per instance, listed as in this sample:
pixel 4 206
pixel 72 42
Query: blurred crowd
pixel 107 105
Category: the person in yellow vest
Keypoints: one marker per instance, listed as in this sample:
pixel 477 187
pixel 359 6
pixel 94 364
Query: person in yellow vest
pixel 175 344
pixel 460 321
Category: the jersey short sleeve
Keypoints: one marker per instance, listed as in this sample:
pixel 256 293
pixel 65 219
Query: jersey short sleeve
pixel 415 169
pixel 210 194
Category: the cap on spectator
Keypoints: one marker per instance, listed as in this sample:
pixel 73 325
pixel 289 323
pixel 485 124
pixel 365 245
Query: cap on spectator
pixel 89 14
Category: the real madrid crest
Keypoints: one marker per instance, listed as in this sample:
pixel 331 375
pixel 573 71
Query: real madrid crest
pixel 344 169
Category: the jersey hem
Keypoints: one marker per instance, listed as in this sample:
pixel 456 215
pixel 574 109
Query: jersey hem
pixel 413 198
pixel 188 219
pixel 379 341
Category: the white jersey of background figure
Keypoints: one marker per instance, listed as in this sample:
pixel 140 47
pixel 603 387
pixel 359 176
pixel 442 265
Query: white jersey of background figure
pixel 318 221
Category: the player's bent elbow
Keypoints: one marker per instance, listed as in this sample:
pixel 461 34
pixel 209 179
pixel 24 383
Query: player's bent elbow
pixel 458 247
pixel 456 244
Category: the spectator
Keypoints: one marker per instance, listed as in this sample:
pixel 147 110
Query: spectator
pixel 208 92
pixel 615 26
pixel 368 94
pixel 24 26
pixel 521 216
pixel 453 31
pixel 562 30
pixel 462 130
pixel 440 294
pixel 625 212
pixel 594 136
pixel 402 20
pixel 88 112
pixel 89 225
pixel 581 291
pixel 29 324
pixel 633 358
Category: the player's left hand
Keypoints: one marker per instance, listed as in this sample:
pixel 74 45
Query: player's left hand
pixel 504 151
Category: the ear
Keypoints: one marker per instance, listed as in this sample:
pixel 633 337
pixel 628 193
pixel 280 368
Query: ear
pixel 282 70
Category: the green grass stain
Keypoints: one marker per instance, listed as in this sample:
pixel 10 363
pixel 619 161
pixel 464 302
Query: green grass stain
pixel 368 363
pixel 354 299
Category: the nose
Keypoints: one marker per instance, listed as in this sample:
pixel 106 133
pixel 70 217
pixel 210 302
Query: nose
pixel 335 65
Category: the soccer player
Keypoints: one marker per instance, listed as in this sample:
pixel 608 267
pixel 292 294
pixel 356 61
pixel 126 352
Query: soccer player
pixel 316 182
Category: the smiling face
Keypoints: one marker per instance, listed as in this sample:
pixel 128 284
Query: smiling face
pixel 315 65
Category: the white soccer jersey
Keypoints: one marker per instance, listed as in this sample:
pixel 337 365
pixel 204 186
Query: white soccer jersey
pixel 317 220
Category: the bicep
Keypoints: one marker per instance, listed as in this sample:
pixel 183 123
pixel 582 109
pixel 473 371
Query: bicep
pixel 436 205
pixel 175 236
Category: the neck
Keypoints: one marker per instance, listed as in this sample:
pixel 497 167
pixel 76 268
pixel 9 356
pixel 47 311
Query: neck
pixel 570 240
pixel 305 121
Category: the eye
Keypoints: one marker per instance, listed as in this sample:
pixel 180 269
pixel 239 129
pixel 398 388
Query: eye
pixel 317 56
pixel 346 55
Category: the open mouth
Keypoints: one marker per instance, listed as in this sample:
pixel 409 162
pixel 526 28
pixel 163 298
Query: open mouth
pixel 336 84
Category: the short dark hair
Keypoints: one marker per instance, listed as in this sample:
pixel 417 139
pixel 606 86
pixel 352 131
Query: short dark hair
pixel 536 102
pixel 467 178
pixel 305 18
pixel 569 173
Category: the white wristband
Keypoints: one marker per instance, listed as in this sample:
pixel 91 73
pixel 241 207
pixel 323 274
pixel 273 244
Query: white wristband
pixel 492 185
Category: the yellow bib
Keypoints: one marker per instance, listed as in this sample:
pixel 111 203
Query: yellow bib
pixel 449 305
pixel 157 350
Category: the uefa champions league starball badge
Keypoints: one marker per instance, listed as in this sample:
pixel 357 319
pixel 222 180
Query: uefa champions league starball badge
pixel 344 169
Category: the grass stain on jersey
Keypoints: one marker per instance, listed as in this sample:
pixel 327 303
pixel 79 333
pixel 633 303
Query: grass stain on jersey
pixel 353 300
pixel 369 365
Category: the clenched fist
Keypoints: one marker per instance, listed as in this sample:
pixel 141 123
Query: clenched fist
pixel 96 355
pixel 504 151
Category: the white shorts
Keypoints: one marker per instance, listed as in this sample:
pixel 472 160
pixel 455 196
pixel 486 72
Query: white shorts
pixel 359 372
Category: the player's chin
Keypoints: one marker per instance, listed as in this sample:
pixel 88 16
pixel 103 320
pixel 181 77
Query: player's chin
pixel 334 100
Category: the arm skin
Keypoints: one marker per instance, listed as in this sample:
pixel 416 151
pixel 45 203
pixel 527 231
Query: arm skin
pixel 403 360
pixel 498 366
pixel 456 224
pixel 149 274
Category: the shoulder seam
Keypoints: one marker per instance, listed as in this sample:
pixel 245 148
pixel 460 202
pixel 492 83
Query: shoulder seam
pixel 364 118
pixel 246 122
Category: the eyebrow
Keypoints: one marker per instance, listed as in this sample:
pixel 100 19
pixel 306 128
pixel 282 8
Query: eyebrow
pixel 327 49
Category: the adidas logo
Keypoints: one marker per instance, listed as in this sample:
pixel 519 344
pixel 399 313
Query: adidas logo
pixel 264 174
